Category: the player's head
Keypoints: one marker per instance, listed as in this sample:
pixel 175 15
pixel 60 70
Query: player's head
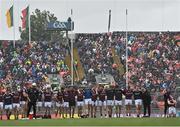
pixel 8 90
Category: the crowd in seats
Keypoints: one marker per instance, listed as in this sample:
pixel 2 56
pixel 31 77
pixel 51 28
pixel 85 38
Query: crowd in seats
pixel 96 56
pixel 31 62
pixel 153 57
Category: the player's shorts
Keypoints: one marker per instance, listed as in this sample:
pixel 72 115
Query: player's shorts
pixel 66 104
pixel 22 102
pixel 117 102
pixel 72 103
pixel 138 102
pixel 110 102
pixel 172 110
pixel 1 105
pixel 8 106
pixel 80 103
pixel 58 104
pixel 88 101
pixel 39 104
pixel 16 105
pixel 94 103
pixel 47 104
pixel 102 103
pixel 128 102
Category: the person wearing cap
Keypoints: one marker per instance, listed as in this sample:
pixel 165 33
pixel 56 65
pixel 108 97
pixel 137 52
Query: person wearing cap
pixel 32 96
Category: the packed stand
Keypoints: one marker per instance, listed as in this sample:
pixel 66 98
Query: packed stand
pixel 153 60
pixel 27 63
pixel 96 56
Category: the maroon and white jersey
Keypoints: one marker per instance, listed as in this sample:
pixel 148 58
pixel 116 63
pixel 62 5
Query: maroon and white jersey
pixel 22 97
pixel 94 95
pixel 80 96
pixel 66 96
pixel 48 96
pixel 59 97
pixel 128 93
pixel 102 95
pixel 72 95
pixel 16 97
pixel 1 97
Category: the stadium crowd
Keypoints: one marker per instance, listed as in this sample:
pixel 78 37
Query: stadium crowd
pixel 29 63
pixel 153 63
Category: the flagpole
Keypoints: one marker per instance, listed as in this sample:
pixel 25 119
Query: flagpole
pixel 29 23
pixel 72 60
pixel 14 43
pixel 126 48
pixel 109 21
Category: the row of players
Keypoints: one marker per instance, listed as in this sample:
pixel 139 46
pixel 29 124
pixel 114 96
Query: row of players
pixel 86 100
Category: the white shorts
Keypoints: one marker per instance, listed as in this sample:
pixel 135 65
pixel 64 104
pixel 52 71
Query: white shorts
pixel 110 103
pixel 8 107
pixel 47 104
pixel 102 103
pixel 80 103
pixel 138 102
pixel 16 105
pixel 117 102
pixel 172 110
pixel 59 104
pixel 39 104
pixel 22 102
pixel 1 105
pixel 128 102
pixel 66 104
pixel 88 101
pixel 94 103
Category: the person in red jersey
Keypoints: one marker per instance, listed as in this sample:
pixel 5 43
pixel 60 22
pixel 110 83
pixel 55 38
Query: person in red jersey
pixel 16 103
pixel 8 101
pixel 102 100
pixel 80 101
pixel 59 103
pixel 94 102
pixel 66 102
pixel 128 100
pixel 72 101
pixel 48 102
pixel 1 103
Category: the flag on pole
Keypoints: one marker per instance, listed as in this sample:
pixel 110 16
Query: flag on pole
pixel 25 16
pixel 9 17
pixel 126 11
pixel 109 22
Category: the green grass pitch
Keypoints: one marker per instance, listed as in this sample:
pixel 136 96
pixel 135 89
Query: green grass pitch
pixel 95 122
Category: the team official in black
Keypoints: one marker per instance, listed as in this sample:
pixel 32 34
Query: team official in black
pixel 32 95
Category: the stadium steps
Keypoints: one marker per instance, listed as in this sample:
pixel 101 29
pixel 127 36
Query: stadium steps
pixel 80 69
pixel 117 61
pixel 68 63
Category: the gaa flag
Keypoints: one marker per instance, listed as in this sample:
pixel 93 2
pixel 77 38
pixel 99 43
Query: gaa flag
pixel 24 18
pixel 177 40
pixel 9 17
